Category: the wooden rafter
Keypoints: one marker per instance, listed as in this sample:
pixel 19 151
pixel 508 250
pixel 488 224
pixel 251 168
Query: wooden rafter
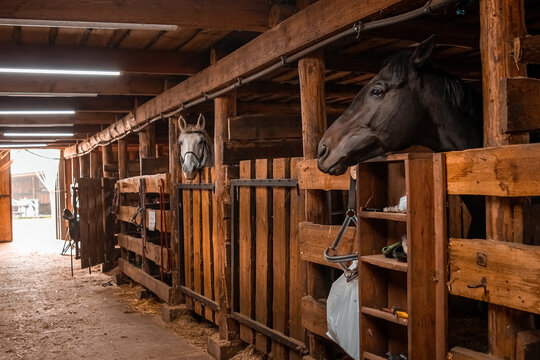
pixel 247 15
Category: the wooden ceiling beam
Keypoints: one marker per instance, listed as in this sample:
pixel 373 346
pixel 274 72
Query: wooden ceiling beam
pixel 155 62
pixel 323 18
pixel 122 85
pixel 106 103
pixel 57 120
pixel 245 15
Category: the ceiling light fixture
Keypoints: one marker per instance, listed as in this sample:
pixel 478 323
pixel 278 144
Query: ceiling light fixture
pixel 86 24
pixel 37 134
pixel 59 71
pixel 37 112
pixel 11 146
pixel 29 94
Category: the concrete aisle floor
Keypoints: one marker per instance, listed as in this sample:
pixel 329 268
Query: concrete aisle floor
pixel 46 314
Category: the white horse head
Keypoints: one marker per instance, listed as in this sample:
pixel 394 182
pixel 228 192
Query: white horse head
pixel 196 148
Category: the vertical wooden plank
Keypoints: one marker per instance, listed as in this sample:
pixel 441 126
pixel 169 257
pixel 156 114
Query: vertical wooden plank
pixel 106 158
pixel 147 144
pixel 92 222
pixel 197 237
pixel 441 256
pixel 297 267
pixel 246 267
pixel 94 163
pixel 263 257
pixel 83 223
pixel 206 246
pixel 101 237
pixel 500 22
pixel 84 164
pixel 187 210
pixel 61 198
pixel 214 246
pixel 6 232
pixel 421 265
pixel 280 255
pixel 122 159
pixel 174 161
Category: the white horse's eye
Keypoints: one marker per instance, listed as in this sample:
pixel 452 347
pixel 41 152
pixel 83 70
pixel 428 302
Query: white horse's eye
pixel 180 143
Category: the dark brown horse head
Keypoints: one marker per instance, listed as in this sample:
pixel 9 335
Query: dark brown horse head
pixel 406 103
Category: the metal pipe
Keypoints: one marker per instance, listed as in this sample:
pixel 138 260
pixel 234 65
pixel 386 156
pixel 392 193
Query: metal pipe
pixel 428 9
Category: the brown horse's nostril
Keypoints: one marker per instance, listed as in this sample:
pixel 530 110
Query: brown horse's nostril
pixel 323 151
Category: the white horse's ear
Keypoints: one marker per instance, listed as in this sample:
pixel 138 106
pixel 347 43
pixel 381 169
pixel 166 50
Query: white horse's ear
pixel 201 122
pixel 182 123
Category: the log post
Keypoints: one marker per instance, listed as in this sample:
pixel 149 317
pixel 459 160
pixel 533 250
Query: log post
pixel 62 198
pixel 147 144
pixel 500 22
pixel 76 169
pixel 94 163
pixel 312 99
pixel 224 107
pixel 122 159
pixel 106 159
pixel 174 163
pixel 85 165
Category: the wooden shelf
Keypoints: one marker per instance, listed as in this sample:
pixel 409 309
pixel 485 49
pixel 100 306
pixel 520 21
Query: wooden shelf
pixel 370 356
pixel 384 315
pixel 382 261
pixel 383 215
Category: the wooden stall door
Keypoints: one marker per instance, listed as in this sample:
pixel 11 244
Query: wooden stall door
pixel 6 233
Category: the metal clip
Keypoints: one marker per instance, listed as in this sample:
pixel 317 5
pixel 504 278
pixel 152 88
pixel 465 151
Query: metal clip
pixel 483 284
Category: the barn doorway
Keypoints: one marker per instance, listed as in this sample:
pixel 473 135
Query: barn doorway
pixel 33 198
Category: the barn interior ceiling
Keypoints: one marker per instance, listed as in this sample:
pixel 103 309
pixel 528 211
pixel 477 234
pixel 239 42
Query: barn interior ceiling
pixel 102 63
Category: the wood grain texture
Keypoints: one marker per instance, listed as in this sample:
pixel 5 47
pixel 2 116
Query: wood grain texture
pixel 162 290
pixel 310 177
pixel 265 126
pixel 510 170
pixel 520 105
pixel 315 239
pixel 459 353
pixel 6 232
pixel 134 244
pixel 526 49
pixel 314 316
pixel 153 184
pixel 512 272
pixel 126 213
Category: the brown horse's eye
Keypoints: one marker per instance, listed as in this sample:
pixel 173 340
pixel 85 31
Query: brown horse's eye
pixel 376 92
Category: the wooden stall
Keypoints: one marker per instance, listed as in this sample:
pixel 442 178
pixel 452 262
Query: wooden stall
pixel 242 245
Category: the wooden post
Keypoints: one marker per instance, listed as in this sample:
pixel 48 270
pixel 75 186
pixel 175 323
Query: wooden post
pixel 174 161
pixel 224 107
pixel 122 159
pixel 76 169
pixel 62 198
pixel 85 165
pixel 312 100
pixel 147 144
pixel 94 163
pixel 69 181
pixel 500 22
pixel 106 158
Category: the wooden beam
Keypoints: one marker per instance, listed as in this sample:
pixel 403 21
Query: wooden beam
pixel 510 170
pixel 153 184
pixel 155 62
pixel 459 353
pixel 152 251
pixel 162 290
pixel 526 49
pixel 85 166
pixel 123 85
pixel 520 105
pixel 57 120
pixel 315 239
pixel 236 151
pixel 126 214
pixel 104 103
pixel 95 156
pixel 511 272
pixel 326 16
pixel 246 15
pixel 107 159
pixel 311 178
pixel 528 345
pixel 314 316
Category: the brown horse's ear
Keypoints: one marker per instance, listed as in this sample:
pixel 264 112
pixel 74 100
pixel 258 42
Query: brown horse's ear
pixel 182 123
pixel 422 52
pixel 201 121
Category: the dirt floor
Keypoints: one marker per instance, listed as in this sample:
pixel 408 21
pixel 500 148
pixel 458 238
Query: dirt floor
pixel 47 314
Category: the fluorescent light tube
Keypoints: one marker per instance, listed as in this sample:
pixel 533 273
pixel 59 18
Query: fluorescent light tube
pixel 37 134
pixel 86 24
pixel 37 112
pixel 59 71
pixel 10 146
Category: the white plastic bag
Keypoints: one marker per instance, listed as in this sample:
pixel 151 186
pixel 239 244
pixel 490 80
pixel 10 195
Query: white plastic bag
pixel 342 314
